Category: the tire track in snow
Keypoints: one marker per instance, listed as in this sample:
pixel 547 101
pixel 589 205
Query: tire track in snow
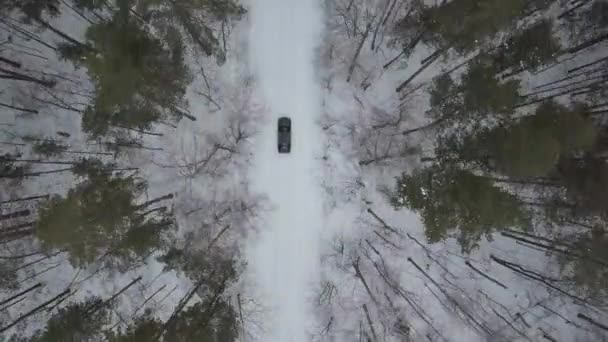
pixel 284 261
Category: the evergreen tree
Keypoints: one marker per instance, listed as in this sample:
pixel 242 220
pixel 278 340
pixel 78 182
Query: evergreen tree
pixel 586 271
pixel 586 184
pixel 210 320
pixel 199 264
pixel 454 200
pixel 479 96
pixel 75 322
pixel 143 329
pixel 48 148
pixel 530 147
pixel 137 78
pixel 528 49
pixel 99 218
pixel 465 24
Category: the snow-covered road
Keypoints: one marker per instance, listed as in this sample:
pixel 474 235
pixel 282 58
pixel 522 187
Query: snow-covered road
pixel 284 261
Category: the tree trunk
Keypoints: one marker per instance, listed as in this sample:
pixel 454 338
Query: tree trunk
pixel 16 228
pixel 57 303
pixel 206 41
pixel 432 58
pixel 238 299
pixel 154 200
pixel 140 131
pixel 432 124
pixel 573 9
pixel 377 29
pixel 10 62
pixel 452 300
pixel 25 110
pixel 587 44
pixel 63 34
pixel 592 321
pixel 384 224
pixel 370 324
pixel 28 35
pixel 359 275
pixel 584 66
pixel 10 305
pixel 91 153
pixel 394 59
pixel 29 198
pixel 15 214
pixel 535 101
pixel 13 236
pixel 523 182
pixel 569 322
pixel 558 243
pixel 12 75
pixel 80 13
pixel 210 309
pixel 150 211
pixel 353 62
pixel 34 174
pixel 217 237
pixel 580 224
pixel 149 299
pixel 35 261
pixel 542 91
pixel 546 336
pixel 510 324
pixel 39 161
pixel 34 310
pixel 58 105
pixel 138 146
pixel 534 276
pixel 109 301
pixel 551 248
pixel 389 13
pixel 29 289
pixel 20 256
pixel 180 306
pixel 571 76
pixel 485 275
pixel 188 116
pixel 10 143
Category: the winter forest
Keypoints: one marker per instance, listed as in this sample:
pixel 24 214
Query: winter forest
pixel 462 171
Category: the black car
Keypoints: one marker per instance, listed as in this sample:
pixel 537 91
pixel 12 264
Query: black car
pixel 284 135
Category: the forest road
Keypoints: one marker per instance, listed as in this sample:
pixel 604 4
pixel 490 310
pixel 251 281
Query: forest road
pixel 285 260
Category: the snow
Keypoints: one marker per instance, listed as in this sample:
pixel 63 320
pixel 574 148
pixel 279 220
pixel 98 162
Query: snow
pixel 316 223
pixel 285 256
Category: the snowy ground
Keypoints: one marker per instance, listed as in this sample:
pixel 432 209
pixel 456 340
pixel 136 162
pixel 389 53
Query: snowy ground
pixel 317 224
pixel 284 258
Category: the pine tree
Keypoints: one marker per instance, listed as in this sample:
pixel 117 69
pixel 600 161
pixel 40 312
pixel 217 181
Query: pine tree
pixel 210 320
pixel 590 278
pixel 466 24
pixel 453 200
pixel 143 329
pixel 99 218
pixel 75 323
pixel 528 49
pixel 137 79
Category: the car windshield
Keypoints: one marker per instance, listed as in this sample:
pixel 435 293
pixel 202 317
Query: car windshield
pixel 283 129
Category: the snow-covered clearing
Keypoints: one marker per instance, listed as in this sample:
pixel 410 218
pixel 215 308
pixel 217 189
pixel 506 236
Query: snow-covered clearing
pixel 284 259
